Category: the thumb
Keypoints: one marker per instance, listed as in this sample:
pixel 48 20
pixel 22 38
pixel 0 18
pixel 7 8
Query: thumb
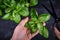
pixel 23 22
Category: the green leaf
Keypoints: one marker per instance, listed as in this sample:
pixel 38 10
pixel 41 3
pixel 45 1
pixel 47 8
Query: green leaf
pixel 13 4
pixel 43 30
pixel 7 2
pixel 18 6
pixel 34 14
pixel 44 17
pixel 7 10
pixel 22 3
pixel 6 16
pixel 33 2
pixel 24 12
pixel 27 4
pixel 32 26
pixel 2 6
pixel 46 32
pixel 0 1
pixel 29 23
pixel 11 18
pixel 17 18
pixel 0 13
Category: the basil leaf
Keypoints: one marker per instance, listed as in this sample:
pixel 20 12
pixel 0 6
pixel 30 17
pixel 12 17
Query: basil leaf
pixel 7 2
pixel 0 1
pixel 27 4
pixel 7 10
pixel 46 32
pixel 33 28
pixel 6 16
pixel 44 17
pixel 13 4
pixel 17 18
pixel 33 2
pixel 0 13
pixel 2 6
pixel 24 12
pixel 22 3
pixel 43 30
pixel 11 18
pixel 18 7
pixel 29 23
pixel 33 14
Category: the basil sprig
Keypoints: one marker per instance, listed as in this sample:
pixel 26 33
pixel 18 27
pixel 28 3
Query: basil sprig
pixel 15 9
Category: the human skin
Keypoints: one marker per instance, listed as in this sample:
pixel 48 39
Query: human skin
pixel 57 33
pixel 22 33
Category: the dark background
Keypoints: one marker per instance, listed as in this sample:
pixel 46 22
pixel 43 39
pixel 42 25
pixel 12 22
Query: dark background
pixel 7 27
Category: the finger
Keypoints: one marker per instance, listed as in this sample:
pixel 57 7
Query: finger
pixel 23 22
pixel 44 24
pixel 34 34
pixel 28 31
pixel 29 34
pixel 56 30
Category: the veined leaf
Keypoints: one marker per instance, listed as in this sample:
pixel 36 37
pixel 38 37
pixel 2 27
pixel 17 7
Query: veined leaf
pixel 44 17
pixel 6 16
pixel 43 30
pixel 27 4
pixel 33 2
pixel 13 4
pixel 33 14
pixel 17 18
pixel 24 12
pixel 7 10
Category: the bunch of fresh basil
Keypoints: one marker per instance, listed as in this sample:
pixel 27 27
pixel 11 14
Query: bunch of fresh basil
pixel 15 9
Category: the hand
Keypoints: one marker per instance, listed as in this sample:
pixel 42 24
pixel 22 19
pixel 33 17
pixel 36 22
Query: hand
pixel 21 32
pixel 57 32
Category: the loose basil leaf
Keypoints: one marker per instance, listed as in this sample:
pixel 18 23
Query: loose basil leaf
pixel 6 16
pixel 0 13
pixel 33 2
pixel 44 17
pixel 34 14
pixel 43 30
pixel 24 12
pixel 17 18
